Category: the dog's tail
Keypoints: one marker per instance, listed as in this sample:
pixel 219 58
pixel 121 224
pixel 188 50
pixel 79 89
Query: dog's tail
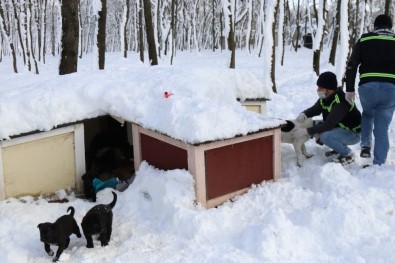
pixel 112 204
pixel 72 210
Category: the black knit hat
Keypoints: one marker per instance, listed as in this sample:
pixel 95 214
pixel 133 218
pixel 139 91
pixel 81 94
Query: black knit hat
pixel 383 21
pixel 327 80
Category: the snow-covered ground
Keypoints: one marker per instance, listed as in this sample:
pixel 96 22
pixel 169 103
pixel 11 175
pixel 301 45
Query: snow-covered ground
pixel 320 212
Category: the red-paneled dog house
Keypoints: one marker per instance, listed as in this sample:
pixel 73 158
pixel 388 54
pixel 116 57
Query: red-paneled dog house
pixel 221 169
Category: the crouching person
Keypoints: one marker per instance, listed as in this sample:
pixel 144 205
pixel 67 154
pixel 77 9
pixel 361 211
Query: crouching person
pixel 341 123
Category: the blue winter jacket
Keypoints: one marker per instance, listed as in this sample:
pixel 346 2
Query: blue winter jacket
pixel 100 185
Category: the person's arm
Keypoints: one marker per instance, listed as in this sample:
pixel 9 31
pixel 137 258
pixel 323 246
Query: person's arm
pixel 352 67
pixel 335 116
pixel 314 110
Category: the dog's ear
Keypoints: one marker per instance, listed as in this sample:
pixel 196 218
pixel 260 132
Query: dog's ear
pixel 288 127
pixel 39 226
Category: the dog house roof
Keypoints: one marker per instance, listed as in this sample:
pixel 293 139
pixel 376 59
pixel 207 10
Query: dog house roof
pixel 190 104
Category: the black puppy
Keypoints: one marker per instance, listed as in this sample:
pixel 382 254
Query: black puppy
pixel 58 233
pixel 98 220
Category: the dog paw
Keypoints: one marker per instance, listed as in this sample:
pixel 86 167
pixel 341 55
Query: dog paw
pixel 89 246
pixel 55 259
pixel 103 244
pixel 50 253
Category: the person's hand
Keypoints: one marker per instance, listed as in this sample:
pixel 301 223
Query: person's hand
pixel 301 118
pixel 299 133
pixel 350 97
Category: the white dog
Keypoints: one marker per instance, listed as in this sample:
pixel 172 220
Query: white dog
pixel 286 137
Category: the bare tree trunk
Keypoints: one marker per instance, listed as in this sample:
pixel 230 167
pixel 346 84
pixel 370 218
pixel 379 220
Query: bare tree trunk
pixel 173 29
pixel 152 55
pixel 39 18
pixel 44 29
pixel 81 26
pixel 30 38
pixel 317 51
pixel 159 26
pixel 53 30
pixel 315 12
pixel 286 10
pixel 332 56
pixel 231 38
pixel 260 28
pixel 141 32
pixel 6 37
pixel 101 34
pixel 387 7
pixel 316 60
pixel 353 26
pixel 29 65
pixel 18 25
pixel 352 39
pixel 70 37
pixel 273 67
pixel 250 22
pixel 195 15
pixel 222 37
pixel 213 27
pixel 297 27
pixel 125 38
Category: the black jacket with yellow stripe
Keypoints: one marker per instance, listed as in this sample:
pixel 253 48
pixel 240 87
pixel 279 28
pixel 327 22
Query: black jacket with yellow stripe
pixel 336 112
pixel 374 53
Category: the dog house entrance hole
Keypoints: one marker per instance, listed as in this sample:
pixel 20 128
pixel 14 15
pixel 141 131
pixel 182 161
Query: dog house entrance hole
pixel 108 146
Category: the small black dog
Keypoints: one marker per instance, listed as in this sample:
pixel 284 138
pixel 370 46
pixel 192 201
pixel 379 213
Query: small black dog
pixel 58 233
pixel 98 220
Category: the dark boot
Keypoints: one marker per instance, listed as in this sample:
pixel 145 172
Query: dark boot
pixel 365 152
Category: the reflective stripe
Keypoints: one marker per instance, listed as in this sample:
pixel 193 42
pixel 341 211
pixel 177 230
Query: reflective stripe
pixel 329 109
pixel 357 128
pixel 378 37
pixel 352 106
pixel 346 128
pixel 377 74
pixel 337 100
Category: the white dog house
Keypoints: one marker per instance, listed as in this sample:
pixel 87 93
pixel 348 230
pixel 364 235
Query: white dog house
pixel 42 163
pixel 255 105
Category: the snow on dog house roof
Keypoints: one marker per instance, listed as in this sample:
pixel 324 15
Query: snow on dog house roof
pixel 200 104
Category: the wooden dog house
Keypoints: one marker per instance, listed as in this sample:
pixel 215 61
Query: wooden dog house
pixel 221 169
pixel 35 162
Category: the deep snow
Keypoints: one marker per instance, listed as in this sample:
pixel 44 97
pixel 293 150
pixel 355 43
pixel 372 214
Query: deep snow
pixel 320 212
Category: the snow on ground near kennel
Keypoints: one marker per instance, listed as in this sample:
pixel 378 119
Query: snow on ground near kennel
pixel 320 212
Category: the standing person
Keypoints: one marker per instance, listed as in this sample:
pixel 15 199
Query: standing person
pixel 374 53
pixel 341 121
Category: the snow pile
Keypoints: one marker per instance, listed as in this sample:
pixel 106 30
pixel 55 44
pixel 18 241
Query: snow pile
pixel 202 106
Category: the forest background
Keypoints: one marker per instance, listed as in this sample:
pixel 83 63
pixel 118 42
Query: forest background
pixel 33 29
